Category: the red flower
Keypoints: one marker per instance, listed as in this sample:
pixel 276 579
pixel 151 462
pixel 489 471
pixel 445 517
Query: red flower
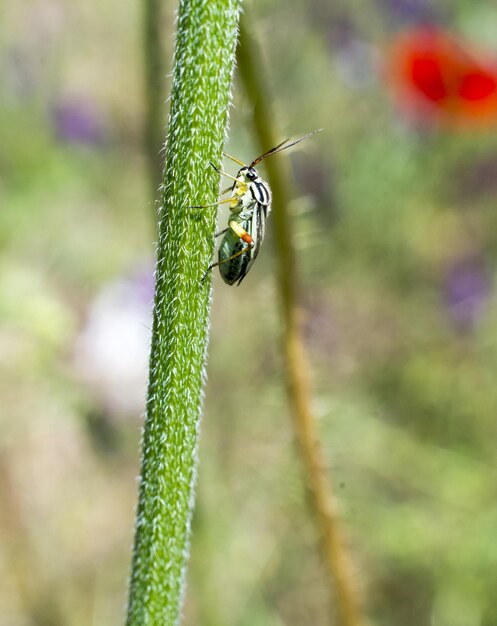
pixel 435 76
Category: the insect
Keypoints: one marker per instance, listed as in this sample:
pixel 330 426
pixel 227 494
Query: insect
pixel 250 205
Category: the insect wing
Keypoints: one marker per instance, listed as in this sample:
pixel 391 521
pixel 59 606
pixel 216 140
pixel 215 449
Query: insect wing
pixel 256 226
pixel 257 232
pixel 262 195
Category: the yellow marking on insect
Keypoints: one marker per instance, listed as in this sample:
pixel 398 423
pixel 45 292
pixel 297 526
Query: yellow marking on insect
pixel 239 191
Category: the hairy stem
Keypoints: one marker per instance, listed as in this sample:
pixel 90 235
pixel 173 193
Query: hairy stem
pixel 203 66
pixel 319 482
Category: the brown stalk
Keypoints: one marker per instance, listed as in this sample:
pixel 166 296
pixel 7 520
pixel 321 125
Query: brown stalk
pixel 250 67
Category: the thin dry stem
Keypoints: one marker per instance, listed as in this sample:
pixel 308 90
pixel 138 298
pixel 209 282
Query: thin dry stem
pixel 318 479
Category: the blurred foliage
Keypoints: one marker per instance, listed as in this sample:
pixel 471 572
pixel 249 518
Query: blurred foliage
pixel 397 234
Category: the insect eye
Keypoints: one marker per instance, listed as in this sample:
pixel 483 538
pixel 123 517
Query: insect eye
pixel 251 174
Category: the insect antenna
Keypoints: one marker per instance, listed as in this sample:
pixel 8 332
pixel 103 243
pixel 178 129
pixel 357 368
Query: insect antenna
pixel 281 146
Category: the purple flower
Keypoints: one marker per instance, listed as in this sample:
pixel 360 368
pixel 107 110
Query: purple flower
pixel 411 11
pixel 78 121
pixel 466 292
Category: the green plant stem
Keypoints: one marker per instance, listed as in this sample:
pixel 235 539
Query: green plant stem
pixel 203 66
pixel 250 68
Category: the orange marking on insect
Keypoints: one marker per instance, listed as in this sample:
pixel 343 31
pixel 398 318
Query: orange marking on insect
pixel 247 238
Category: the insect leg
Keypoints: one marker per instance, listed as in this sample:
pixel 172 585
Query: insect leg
pixel 223 173
pixel 221 232
pixel 234 159
pixel 244 236
pixel 230 258
pixel 205 206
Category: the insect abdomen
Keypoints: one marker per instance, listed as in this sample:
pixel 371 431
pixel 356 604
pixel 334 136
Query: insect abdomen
pixel 234 270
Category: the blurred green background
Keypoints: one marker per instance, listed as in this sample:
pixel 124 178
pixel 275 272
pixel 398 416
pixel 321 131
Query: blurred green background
pixel 396 231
